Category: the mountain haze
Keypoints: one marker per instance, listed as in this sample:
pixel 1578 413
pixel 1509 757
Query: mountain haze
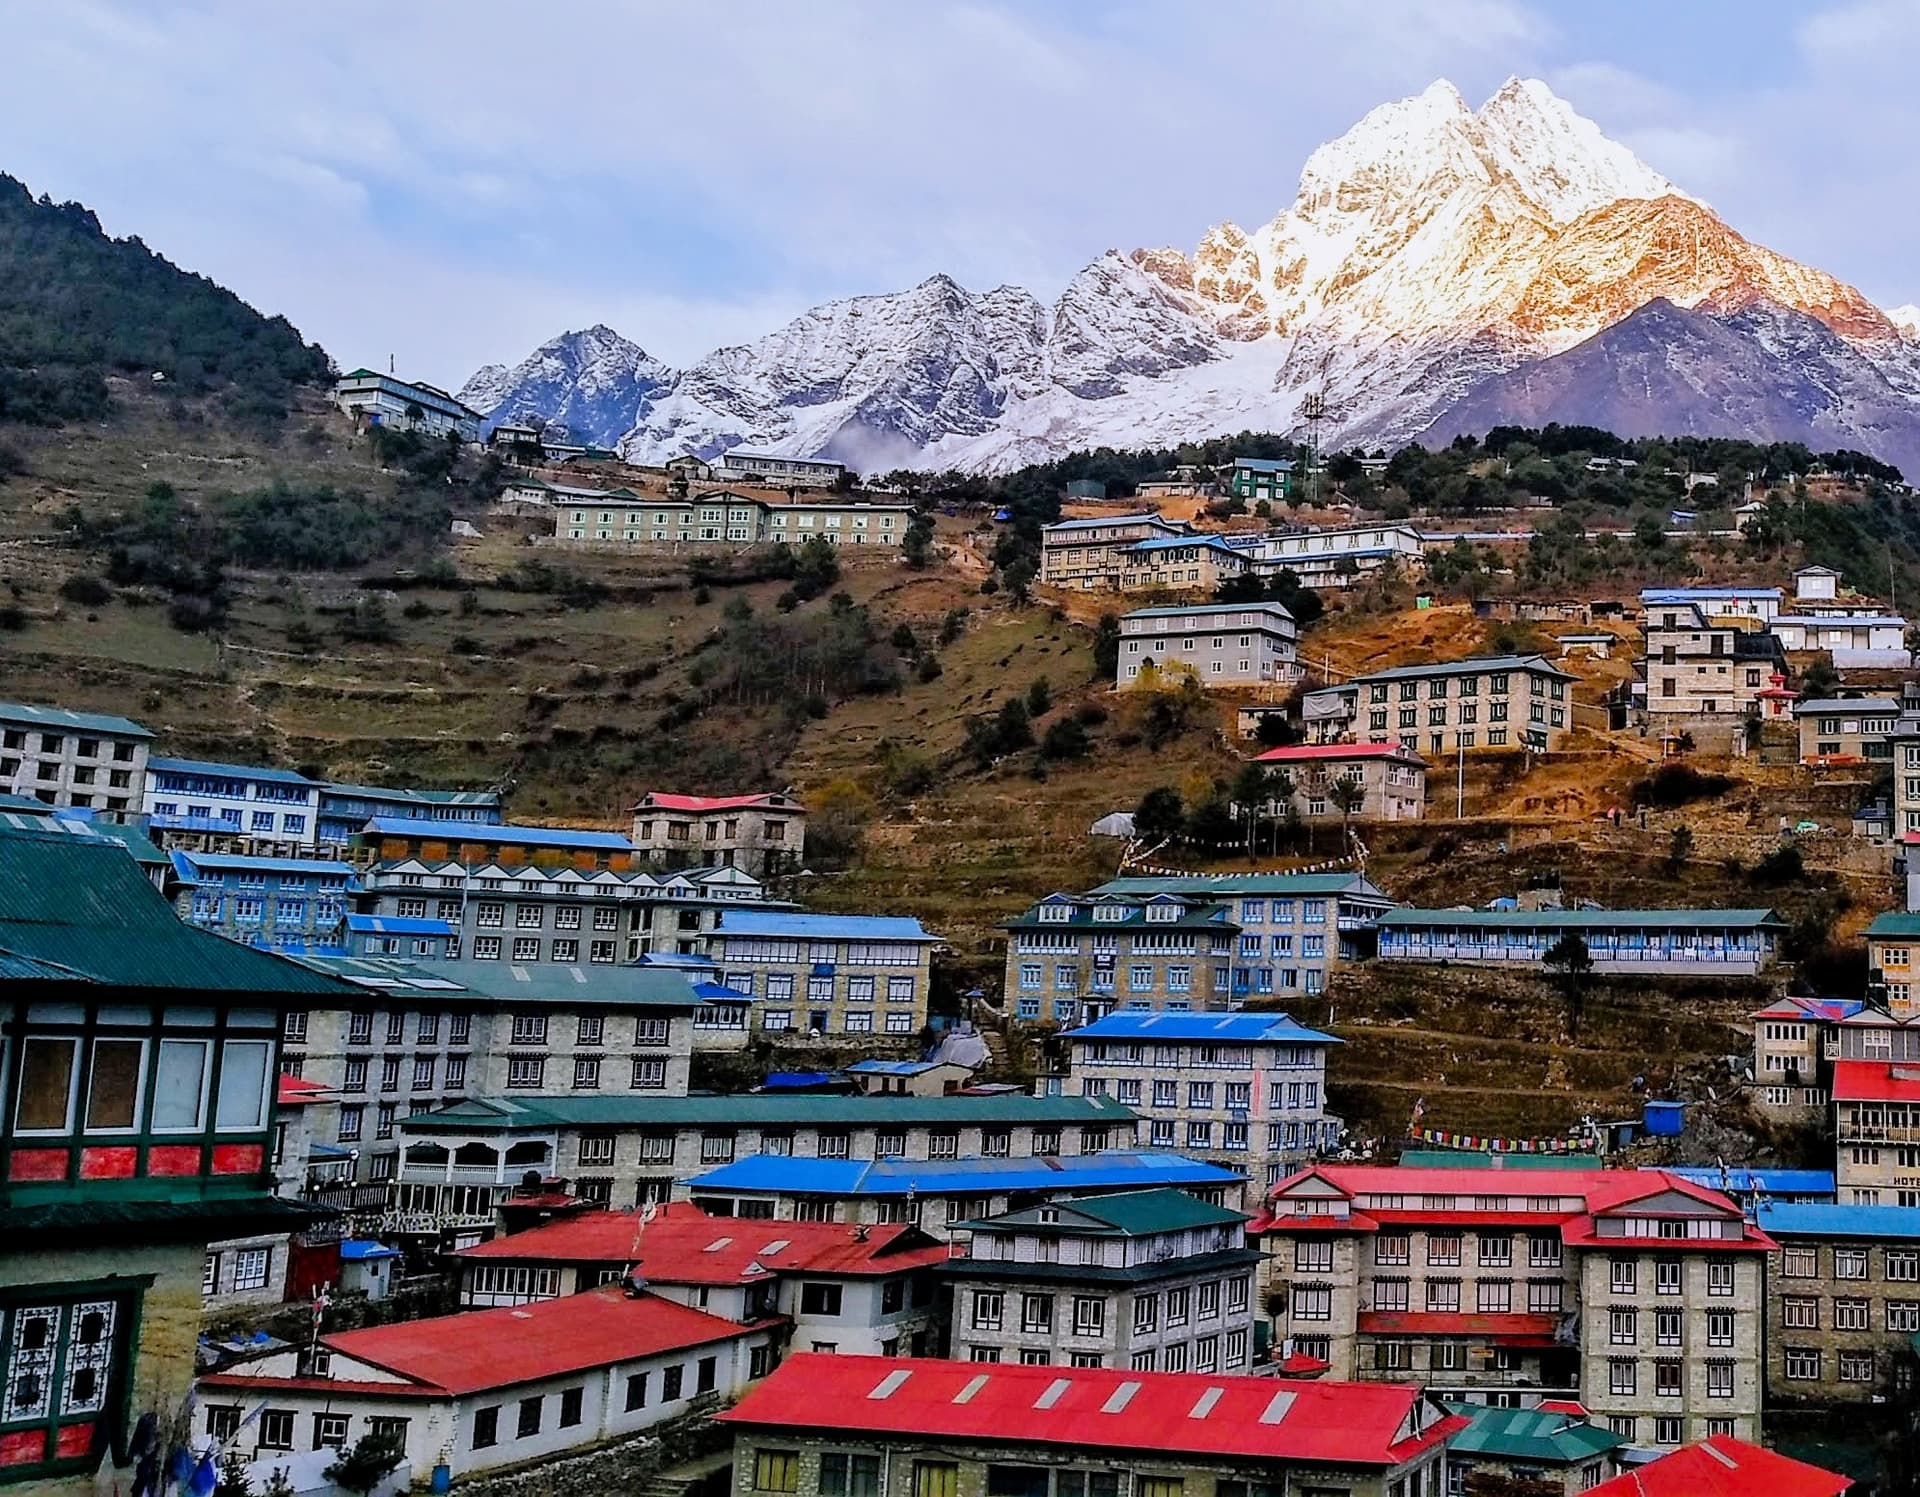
pixel 1430 253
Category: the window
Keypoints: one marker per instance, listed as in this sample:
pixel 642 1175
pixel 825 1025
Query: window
pixel 525 1071
pixel 649 1074
pixel 276 1429
pixel 48 1076
pixel 1623 1325
pixel 1621 1379
pixel 1666 1378
pixel 329 1430
pixel 935 1479
pixel 989 1305
pixel 1036 1313
pixel 1720 1277
pixel 1855 1367
pixel 486 1427
pixel 1089 1314
pixel 1623 1276
pixel 1667 1430
pixel 1666 1276
pixel 115 1086
pixel 1803 1364
pixel 1392 1250
pixel 1849 1263
pixel 570 1402
pixel 1310 1256
pixel 529 1422
pixel 1443 1251
pixel 586 1073
pixel 776 1470
pixel 820 1299
pixel 250 1268
pixel 1800 1262
pixel 1495 1296
pixel 245 1070
pixel 1850 1315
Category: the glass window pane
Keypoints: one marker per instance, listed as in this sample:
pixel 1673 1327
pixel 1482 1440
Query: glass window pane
pixel 113 1090
pixel 243 1085
pixel 46 1085
pixel 179 1087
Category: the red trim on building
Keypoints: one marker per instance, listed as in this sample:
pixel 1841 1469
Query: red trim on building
pixel 173 1159
pixel 117 1163
pixel 239 1159
pixel 38 1164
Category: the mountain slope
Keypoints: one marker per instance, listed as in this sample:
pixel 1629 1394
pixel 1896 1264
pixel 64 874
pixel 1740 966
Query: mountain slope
pixel 1764 371
pixel 590 383
pixel 1429 249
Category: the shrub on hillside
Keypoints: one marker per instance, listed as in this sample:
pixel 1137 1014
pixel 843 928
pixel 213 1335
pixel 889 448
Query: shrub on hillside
pixel 1676 784
pixel 86 589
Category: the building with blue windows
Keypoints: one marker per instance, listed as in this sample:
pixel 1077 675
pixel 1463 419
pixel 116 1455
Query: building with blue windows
pixel 830 974
pixel 208 806
pixel 295 905
pixel 346 809
pixel 390 935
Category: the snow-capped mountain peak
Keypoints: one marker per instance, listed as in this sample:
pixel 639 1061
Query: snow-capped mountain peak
pixel 1906 318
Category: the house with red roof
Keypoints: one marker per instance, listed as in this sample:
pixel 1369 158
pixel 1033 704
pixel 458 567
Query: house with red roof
pixel 764 834
pixel 1791 1069
pixel 490 1388
pixel 1876 1121
pixel 822 1426
pixel 1639 1293
pixel 1722 1467
pixel 852 1288
pixel 1389 780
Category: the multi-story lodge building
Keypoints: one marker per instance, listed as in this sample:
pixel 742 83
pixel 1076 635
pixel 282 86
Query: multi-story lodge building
pixel 1846 730
pixel 1334 558
pixel 639 1148
pixel 207 806
pixel 1071 956
pixel 1639 1293
pixel 1181 564
pixel 389 839
pixel 1391 780
pixel 1149 1280
pixel 1893 958
pixel 827 974
pixel 763 834
pixel 1906 797
pixel 1704 663
pixel 718 519
pixel 1757 603
pixel 1484 701
pixel 409 1038
pixel 856 1427
pixel 294 905
pixel 1090 555
pixel 87 760
pixel 1844 1307
pixel 374 399
pixel 1257 478
pixel 741 466
pixel 1792 1070
pixel 488 1388
pixel 858 1290
pixel 345 810
pixel 1219 644
pixel 942 1195
pixel 1701 943
pixel 1876 1112
pixel 137 1063
pixel 1247 1091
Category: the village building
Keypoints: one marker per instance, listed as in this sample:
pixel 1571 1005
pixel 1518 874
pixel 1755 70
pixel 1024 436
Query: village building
pixel 1246 1091
pixel 742 466
pixel 1761 603
pixel 1553 1443
pixel 1845 1303
pixel 1484 701
pixel 138 1058
pixel 296 905
pixel 1906 797
pixel 394 936
pixel 1149 1280
pixel 1082 956
pixel 856 1290
pixel 389 839
pixel 629 1147
pixel 1636 1292
pixel 841 1427
pixel 1723 1467
pixel 941 1195
pixel 909 1078
pixel 1089 555
pixel 345 810
pixel 1838 731
pixel 1859 641
pixel 1183 481
pixel 764 834
pixel 374 399
pixel 1334 558
pixel 254 1269
pixel 557 1376
pixel 1700 943
pixel 85 760
pixel 794 522
pixel 1876 1113
pixel 1389 782
pixel 527 488
pixel 690 468
pixel 1181 564
pixel 827 974
pixel 1218 644
pixel 1792 1073
pixel 1257 478
pixel 211 807
pixel 1707 663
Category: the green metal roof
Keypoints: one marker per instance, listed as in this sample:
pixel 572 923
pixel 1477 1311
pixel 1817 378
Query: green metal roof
pixel 1582 919
pixel 1473 665
pixel 1895 923
pixel 762 1110
pixel 80 907
pixel 1213 917
pixel 33 716
pixel 1532 1435
pixel 1486 1159
pixel 1224 885
pixel 1132 1214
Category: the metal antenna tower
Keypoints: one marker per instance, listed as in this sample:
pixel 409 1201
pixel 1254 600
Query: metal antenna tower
pixel 1313 409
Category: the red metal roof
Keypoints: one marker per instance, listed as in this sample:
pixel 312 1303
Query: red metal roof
pixel 1725 1467
pixel 656 801
pixel 1100 1408
pixel 499 1348
pixel 1508 1330
pixel 1875 1081
pixel 684 1245
pixel 296 1091
pixel 1310 752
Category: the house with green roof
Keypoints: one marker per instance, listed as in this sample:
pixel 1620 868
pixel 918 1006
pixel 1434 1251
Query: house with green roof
pixel 138 1060
pixel 1554 1444
pixel 1155 1280
pixel 1695 942
pixel 92 761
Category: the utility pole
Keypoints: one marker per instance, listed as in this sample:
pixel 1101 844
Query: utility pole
pixel 1460 783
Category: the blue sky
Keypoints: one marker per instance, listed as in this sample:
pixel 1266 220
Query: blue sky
pixel 453 184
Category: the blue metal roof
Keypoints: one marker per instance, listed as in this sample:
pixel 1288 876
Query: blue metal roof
pixel 1840 1221
pixel 1172 542
pixel 231 771
pixel 355 1250
pixel 1698 594
pixel 471 831
pixel 1240 1028
pixel 897 1177
pixel 1265 464
pixel 890 1067
pixel 717 992
pixel 1203 609
pixel 394 925
pixel 225 862
pixel 822 927
pixel 1741 1181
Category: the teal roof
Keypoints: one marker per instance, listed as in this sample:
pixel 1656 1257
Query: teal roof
pixel 72 722
pixel 1195 916
pixel 1486 1159
pixel 1140 1213
pixel 1225 885
pixel 763 1110
pixel 1581 919
pixel 1473 665
pixel 553 983
pixel 81 907
pixel 1206 608
pixel 1895 923
pixel 1530 1435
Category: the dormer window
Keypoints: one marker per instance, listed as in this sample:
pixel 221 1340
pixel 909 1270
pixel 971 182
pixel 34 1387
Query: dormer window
pixel 1056 914
pixel 1109 912
pixel 1163 912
